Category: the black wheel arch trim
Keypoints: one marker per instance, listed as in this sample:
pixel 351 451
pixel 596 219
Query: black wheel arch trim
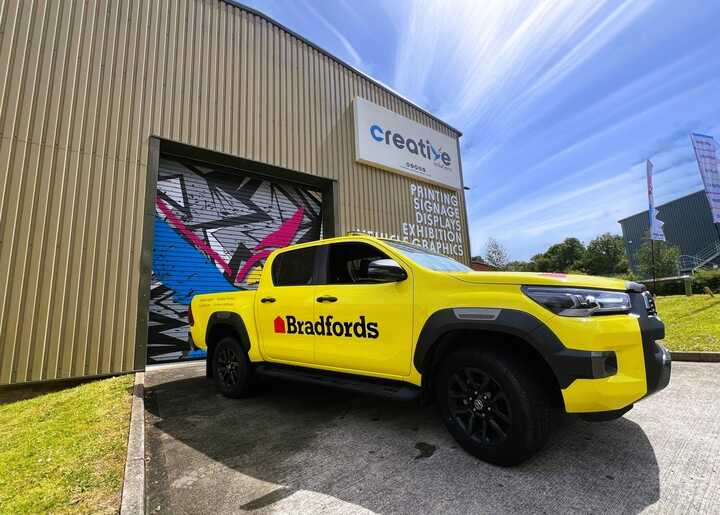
pixel 566 364
pixel 232 320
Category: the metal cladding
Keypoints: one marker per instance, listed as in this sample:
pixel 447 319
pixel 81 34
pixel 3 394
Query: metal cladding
pixel 83 87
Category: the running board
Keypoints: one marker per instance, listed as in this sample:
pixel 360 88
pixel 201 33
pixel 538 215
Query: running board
pixel 353 383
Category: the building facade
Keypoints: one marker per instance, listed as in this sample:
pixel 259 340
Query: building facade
pixel 155 150
pixel 688 225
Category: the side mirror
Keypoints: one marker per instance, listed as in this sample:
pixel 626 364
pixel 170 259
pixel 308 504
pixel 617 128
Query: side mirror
pixel 386 270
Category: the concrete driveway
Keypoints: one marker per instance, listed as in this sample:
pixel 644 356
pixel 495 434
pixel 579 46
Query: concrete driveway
pixel 305 449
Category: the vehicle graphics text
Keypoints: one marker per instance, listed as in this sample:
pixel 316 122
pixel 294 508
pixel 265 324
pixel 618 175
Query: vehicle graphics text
pixel 327 326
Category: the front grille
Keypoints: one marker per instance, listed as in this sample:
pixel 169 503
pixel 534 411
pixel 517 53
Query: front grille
pixel 649 303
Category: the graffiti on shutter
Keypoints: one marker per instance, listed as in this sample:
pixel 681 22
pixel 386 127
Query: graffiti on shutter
pixel 213 231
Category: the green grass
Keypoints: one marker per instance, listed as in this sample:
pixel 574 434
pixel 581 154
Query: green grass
pixel 691 323
pixel 64 452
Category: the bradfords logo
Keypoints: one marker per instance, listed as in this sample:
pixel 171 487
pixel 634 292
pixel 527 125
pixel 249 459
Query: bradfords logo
pixel 326 326
pixel 420 147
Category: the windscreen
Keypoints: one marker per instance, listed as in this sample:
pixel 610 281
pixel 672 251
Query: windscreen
pixel 427 259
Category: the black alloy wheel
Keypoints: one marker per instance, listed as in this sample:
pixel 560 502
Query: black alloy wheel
pixel 480 406
pixel 493 403
pixel 231 368
pixel 228 366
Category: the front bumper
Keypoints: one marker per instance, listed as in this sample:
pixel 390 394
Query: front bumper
pixel 658 362
pixel 644 365
pixel 657 358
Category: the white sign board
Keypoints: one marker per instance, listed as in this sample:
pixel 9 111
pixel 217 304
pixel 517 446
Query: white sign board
pixel 708 164
pixel 387 140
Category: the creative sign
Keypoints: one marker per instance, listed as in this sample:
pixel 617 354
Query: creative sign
pixel 387 140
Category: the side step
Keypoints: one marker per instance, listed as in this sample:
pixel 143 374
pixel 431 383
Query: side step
pixel 358 384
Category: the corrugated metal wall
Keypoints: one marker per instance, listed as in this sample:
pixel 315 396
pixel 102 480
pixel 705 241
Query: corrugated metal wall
pixel 83 85
pixel 688 225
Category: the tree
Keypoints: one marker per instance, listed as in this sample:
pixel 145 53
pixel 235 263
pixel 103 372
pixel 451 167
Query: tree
pixel 561 257
pixel 520 266
pixel 541 263
pixel 495 254
pixel 666 260
pixel 605 255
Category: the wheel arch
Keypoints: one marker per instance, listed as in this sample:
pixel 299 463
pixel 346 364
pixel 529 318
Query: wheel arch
pixel 500 341
pixel 452 328
pixel 220 325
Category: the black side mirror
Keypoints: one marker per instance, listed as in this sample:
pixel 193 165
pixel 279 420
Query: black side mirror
pixel 385 270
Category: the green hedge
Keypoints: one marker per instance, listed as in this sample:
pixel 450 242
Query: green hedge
pixel 701 279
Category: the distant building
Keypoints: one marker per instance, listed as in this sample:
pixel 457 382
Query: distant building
pixel 688 225
pixel 479 265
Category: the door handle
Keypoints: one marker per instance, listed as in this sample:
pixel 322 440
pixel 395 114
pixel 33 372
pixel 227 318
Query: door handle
pixel 266 300
pixel 327 298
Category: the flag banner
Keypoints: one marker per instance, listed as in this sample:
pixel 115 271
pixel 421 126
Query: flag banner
pixel 656 230
pixel 708 164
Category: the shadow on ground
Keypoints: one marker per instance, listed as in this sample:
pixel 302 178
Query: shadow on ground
pixel 27 391
pixel 305 448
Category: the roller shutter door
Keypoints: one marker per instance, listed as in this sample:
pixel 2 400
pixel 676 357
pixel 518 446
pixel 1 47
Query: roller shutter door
pixel 213 231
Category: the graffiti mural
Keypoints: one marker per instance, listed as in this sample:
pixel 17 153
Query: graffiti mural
pixel 213 231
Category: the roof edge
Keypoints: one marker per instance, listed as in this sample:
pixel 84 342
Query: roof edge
pixel 661 205
pixel 267 18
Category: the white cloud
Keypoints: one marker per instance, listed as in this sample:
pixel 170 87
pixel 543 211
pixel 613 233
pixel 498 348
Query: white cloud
pixel 626 124
pixel 498 56
pixel 560 101
pixel 355 58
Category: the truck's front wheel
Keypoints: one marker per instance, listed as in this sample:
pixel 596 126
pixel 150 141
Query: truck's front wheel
pixel 492 405
pixel 231 368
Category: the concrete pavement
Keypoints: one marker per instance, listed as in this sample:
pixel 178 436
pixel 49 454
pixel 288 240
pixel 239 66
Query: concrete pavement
pixel 296 448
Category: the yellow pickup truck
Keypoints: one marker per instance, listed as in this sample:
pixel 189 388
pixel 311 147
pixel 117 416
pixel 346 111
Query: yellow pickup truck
pixel 499 352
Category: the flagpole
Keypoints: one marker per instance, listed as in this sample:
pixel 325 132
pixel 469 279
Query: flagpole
pixel 652 252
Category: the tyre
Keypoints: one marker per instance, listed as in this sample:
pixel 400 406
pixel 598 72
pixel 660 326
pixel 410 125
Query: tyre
pixel 493 405
pixel 231 368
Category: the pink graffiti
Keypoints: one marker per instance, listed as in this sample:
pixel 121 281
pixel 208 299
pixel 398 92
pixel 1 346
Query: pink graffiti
pixel 187 233
pixel 278 239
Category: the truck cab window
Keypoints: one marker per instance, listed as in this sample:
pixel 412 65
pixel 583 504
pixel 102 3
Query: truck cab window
pixel 294 268
pixel 348 263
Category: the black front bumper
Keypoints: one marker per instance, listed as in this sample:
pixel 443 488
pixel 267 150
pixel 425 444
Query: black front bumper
pixel 657 365
pixel 658 362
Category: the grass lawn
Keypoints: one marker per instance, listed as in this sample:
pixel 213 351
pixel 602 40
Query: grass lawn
pixel 691 323
pixel 64 452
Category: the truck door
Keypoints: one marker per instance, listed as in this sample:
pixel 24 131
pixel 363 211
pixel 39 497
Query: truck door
pixel 365 318
pixel 285 306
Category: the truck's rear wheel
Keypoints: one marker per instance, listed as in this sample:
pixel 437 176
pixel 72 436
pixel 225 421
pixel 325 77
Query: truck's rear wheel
pixel 493 405
pixel 231 368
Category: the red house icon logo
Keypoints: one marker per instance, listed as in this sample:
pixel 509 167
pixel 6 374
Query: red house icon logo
pixel 279 324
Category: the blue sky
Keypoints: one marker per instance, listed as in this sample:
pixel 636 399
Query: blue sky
pixel 560 102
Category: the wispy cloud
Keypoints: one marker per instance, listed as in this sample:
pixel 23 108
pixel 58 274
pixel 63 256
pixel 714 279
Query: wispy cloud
pixel 558 110
pixel 500 56
pixel 630 123
pixel 355 58
pixel 560 101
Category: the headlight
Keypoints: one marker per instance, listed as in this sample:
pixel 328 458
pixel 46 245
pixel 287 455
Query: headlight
pixel 579 302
